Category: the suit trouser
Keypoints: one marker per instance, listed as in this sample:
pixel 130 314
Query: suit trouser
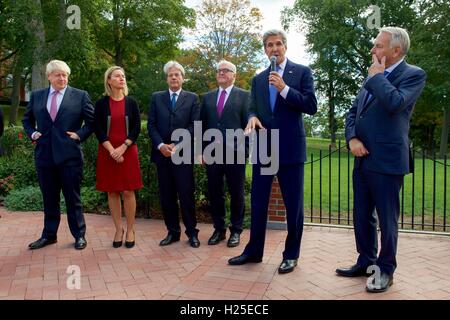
pixel 290 178
pixel 378 191
pixel 235 177
pixel 53 180
pixel 178 180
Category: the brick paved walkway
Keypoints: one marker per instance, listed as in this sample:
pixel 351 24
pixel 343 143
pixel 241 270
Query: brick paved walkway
pixel 178 271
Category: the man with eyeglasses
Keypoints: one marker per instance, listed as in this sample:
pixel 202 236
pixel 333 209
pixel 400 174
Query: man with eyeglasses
pixel 170 110
pixel 226 108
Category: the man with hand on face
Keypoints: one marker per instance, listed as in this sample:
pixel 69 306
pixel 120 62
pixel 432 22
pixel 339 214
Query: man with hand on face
pixel 376 130
pixel 278 100
pixel 226 108
pixel 170 110
pixel 54 119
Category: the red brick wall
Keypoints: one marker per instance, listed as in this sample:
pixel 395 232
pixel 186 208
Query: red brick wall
pixel 277 211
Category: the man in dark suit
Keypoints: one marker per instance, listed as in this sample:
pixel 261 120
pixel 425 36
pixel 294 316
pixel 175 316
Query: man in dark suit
pixel 171 110
pixel 376 131
pixel 54 119
pixel 222 109
pixel 278 101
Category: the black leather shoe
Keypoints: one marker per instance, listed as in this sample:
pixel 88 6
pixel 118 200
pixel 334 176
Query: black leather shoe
pixel 216 237
pixel 118 244
pixel 243 259
pixel 80 243
pixel 130 244
pixel 353 271
pixel 40 243
pixel 381 285
pixel 194 242
pixel 235 239
pixel 287 265
pixel 169 239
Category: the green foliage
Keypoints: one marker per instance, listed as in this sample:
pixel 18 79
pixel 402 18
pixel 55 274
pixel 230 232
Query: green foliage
pixel 226 29
pixel 25 199
pixel 93 200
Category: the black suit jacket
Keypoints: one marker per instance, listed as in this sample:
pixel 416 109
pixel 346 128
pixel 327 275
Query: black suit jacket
pixel 234 114
pixel 162 120
pixel 55 147
pixel 102 116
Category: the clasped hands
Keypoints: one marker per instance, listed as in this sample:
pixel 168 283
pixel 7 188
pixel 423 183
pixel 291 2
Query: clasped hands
pixel 167 150
pixel 117 153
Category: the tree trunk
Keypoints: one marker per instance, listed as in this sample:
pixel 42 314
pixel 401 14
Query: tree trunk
pixel 15 94
pixel 444 133
pixel 39 80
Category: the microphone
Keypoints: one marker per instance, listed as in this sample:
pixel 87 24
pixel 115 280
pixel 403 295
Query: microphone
pixel 273 63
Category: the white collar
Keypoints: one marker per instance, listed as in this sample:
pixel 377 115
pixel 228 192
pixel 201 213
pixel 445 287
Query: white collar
pixel 228 89
pixel 391 68
pixel 177 92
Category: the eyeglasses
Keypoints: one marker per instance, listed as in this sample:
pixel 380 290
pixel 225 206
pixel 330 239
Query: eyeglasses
pixel 224 70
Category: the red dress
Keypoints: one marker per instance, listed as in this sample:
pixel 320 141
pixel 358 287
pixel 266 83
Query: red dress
pixel 113 176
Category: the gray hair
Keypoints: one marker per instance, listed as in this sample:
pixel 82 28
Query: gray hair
pixel 275 32
pixel 57 65
pixel 173 64
pixel 229 64
pixel 399 37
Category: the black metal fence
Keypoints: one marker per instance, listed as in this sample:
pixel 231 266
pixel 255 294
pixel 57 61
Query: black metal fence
pixel 329 194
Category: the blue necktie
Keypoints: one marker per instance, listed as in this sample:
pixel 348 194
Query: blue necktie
pixel 273 93
pixel 174 100
pixel 386 73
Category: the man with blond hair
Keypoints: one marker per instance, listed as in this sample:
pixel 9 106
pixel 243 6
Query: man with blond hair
pixel 58 119
pixel 376 130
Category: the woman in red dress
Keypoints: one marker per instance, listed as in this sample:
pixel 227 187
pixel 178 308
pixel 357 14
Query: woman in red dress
pixel 117 127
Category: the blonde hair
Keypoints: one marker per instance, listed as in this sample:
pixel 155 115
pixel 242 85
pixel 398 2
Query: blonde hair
pixel 56 65
pixel 108 90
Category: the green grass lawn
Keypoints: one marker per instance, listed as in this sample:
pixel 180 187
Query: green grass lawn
pixel 339 205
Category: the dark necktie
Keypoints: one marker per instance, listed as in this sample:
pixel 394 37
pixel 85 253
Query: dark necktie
pixel 174 100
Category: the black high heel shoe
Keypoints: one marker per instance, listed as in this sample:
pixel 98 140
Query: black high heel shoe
pixel 118 244
pixel 130 244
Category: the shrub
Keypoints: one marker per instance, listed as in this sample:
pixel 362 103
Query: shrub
pixel 25 199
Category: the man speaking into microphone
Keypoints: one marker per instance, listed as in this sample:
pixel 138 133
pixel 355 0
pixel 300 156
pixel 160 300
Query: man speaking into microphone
pixel 279 97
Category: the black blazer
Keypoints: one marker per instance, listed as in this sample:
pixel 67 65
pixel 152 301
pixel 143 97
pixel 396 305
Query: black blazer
pixel 162 120
pixel 55 147
pixel 234 114
pixel 102 116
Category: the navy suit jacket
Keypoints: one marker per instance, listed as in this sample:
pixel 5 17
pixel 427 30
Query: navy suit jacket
pixel 162 120
pixel 234 114
pixel 382 122
pixel 287 116
pixel 55 147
